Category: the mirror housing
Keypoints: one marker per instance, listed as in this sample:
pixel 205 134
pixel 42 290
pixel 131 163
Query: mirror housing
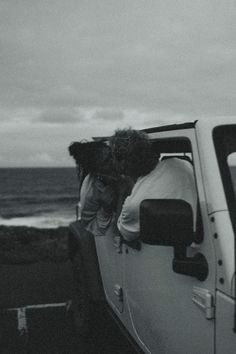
pixel 169 222
pixel 166 222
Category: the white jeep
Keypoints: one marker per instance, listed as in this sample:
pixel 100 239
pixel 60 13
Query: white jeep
pixel 175 292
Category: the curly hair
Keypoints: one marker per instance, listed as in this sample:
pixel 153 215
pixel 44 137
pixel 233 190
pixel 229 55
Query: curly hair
pixel 91 156
pixel 134 148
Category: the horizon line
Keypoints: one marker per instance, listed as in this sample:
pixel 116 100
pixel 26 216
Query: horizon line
pixel 4 167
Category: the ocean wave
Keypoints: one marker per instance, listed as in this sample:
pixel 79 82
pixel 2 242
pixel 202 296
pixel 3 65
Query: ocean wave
pixel 6 216
pixel 41 222
pixel 28 211
pixel 35 199
pixel 25 210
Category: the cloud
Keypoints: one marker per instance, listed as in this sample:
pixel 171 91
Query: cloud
pixel 74 64
pixel 15 115
pixel 64 95
pixel 109 114
pixel 182 58
pixel 41 158
pixel 61 115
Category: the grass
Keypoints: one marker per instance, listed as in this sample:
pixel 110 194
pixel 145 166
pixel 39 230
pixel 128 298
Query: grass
pixel 21 245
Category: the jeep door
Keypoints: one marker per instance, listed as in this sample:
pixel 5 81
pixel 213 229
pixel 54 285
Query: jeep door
pixel 111 266
pixel 170 312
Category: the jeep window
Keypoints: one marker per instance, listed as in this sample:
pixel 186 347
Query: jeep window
pixel 173 147
pixel 231 160
pixel 225 145
pixel 180 148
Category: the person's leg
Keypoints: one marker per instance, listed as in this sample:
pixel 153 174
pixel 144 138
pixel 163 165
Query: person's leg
pixel 91 268
pixel 80 300
pixel 87 280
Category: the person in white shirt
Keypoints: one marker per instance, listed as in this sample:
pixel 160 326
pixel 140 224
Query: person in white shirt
pixel 169 179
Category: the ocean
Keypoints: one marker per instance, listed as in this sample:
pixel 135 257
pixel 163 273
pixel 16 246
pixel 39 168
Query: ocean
pixel 41 197
pixel 38 197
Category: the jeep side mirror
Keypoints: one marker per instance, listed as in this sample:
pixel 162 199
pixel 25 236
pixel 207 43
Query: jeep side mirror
pixel 166 222
pixel 169 222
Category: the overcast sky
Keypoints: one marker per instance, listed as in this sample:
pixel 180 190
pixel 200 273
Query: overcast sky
pixel 72 69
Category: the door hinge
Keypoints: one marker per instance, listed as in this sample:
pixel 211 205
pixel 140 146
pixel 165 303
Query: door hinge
pixel 205 301
pixel 117 241
pixel 118 292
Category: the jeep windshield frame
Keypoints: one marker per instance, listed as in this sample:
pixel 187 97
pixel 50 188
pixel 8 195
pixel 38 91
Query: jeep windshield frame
pixel 224 138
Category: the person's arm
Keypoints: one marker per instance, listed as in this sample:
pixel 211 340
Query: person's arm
pixel 128 221
pixel 89 203
pixel 97 212
pixel 125 187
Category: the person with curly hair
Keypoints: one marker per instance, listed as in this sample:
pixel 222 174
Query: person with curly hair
pixel 132 153
pixel 168 179
pixel 97 202
pixel 96 184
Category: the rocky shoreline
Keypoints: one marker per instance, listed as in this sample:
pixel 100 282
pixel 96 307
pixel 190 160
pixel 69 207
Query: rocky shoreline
pixel 22 245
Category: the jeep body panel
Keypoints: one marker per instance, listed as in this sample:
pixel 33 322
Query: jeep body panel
pixel 225 336
pixel 160 302
pixel 166 312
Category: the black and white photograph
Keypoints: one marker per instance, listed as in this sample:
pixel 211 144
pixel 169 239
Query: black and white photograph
pixel 117 177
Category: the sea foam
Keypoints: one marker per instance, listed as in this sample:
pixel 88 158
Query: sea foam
pixel 41 222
